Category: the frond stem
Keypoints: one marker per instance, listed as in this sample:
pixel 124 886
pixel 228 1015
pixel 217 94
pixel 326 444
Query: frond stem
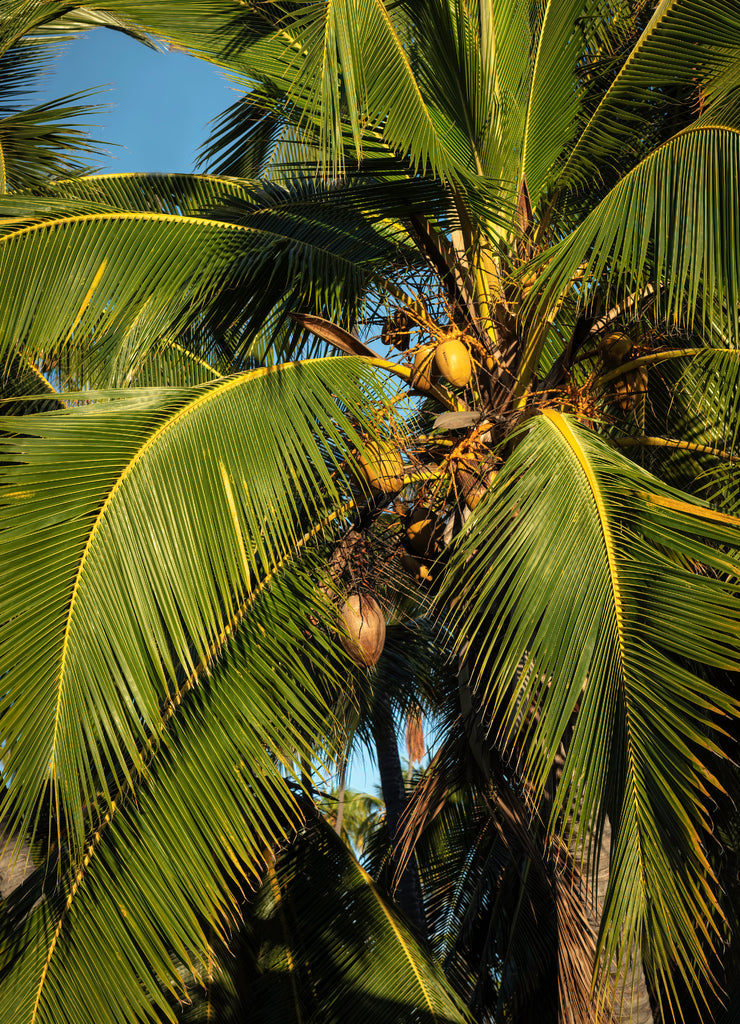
pixel 654 357
pixel 677 444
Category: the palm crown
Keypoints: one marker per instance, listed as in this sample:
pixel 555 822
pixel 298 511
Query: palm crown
pixel 492 246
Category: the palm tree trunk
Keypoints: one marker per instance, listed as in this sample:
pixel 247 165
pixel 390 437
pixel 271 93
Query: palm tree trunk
pixel 340 797
pixel 635 1006
pixel 408 890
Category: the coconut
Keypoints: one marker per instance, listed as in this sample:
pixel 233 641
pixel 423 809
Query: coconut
pixel 631 388
pixel 396 332
pixel 615 347
pixel 383 468
pixel 425 373
pixel 364 625
pixel 452 360
pixel 422 532
pixel 527 282
pixel 473 485
pixel 414 567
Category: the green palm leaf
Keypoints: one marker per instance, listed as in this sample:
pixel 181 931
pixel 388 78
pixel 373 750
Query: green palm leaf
pixel 678 47
pixel 670 222
pixel 369 44
pixel 553 101
pixel 39 142
pixel 325 935
pixel 224 249
pixel 164 865
pixel 44 23
pixel 147 553
pixel 44 142
pixel 586 608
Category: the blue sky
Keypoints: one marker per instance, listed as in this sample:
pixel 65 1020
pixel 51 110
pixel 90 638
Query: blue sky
pixel 159 103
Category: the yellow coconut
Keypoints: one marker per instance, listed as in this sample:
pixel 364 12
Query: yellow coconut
pixel 364 625
pixel 527 281
pixel 422 532
pixel 452 360
pixel 615 347
pixel 383 468
pixel 425 373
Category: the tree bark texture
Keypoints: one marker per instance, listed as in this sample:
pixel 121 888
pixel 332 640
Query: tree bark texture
pixel 408 890
pixel 632 1005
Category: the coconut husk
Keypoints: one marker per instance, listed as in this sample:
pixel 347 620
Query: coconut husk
pixel 364 625
pixel 415 744
pixel 473 481
pixel 473 485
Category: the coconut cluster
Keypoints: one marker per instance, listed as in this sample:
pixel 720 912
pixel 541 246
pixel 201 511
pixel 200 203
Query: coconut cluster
pixel 449 358
pixel 616 348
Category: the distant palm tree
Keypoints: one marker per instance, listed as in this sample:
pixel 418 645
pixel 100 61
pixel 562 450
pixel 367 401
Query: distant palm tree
pixel 530 209
pixel 360 812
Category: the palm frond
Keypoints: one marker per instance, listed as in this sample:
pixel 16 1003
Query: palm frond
pixel 678 48
pixel 40 143
pixel 552 101
pixel 671 223
pixel 588 605
pixel 509 911
pixel 325 934
pixel 227 267
pixel 147 552
pixel 166 863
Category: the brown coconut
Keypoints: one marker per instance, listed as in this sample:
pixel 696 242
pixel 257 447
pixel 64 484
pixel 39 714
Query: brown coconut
pixel 452 361
pixel 364 625
pixel 383 468
pixel 615 347
pixel 415 567
pixel 631 388
pixel 422 531
pixel 396 332
pixel 474 484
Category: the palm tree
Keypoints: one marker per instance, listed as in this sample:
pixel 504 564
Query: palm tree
pixel 529 209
